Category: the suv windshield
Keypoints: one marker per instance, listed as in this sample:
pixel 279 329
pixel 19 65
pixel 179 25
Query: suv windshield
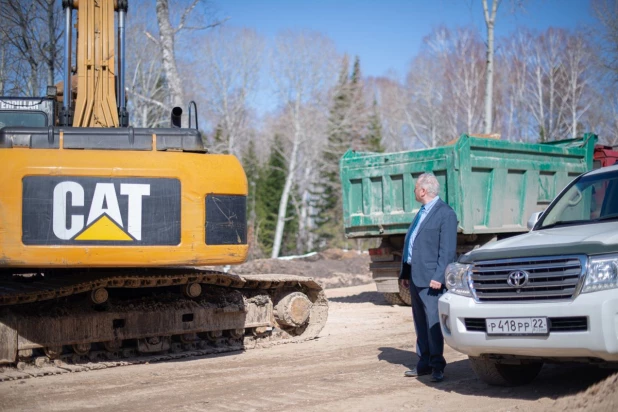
pixel 590 198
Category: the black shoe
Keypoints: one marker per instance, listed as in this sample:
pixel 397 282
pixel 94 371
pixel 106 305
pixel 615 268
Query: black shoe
pixel 414 373
pixel 437 376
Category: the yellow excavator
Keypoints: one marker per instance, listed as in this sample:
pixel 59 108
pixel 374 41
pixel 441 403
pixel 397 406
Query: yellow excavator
pixel 104 228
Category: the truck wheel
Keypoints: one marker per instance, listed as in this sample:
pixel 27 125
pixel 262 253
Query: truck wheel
pixel 404 294
pixel 402 298
pixel 393 298
pixel 499 374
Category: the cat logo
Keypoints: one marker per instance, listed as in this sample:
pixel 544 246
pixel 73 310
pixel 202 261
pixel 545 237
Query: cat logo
pixel 107 211
pixel 104 218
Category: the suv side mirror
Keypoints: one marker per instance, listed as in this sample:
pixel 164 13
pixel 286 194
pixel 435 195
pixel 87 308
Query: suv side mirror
pixel 533 219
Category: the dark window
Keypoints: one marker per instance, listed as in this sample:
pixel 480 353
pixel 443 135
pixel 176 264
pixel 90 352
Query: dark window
pixel 29 119
pixel 226 220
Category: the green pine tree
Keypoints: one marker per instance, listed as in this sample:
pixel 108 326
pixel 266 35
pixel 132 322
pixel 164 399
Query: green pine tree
pixel 374 130
pixel 252 168
pixel 355 78
pixel 357 110
pixel 348 128
pixel 269 188
pixel 251 165
pixel 329 216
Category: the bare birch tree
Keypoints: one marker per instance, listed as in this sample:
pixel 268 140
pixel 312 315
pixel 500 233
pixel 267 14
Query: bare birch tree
pixel 546 72
pixel 32 29
pixel 490 11
pixel 466 75
pixel 391 97
pixel 612 126
pixel 460 54
pixel 302 72
pixel 4 58
pixel 229 65
pixel 606 12
pixel 441 97
pixel 147 95
pixel 577 66
pixel 307 178
pixel 167 35
pixel 515 63
pixel 147 92
pixel 50 47
pixel 167 43
pixel 490 21
pixel 145 82
pixel 423 112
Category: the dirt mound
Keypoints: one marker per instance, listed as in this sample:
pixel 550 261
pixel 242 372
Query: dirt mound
pixel 600 397
pixel 333 267
pixel 335 254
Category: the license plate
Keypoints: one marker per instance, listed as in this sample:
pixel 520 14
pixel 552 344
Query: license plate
pixel 517 326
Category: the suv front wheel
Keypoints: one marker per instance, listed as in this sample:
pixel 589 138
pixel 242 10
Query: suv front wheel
pixel 492 372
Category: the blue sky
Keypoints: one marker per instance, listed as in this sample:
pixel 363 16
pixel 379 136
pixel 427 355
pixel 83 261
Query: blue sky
pixel 386 34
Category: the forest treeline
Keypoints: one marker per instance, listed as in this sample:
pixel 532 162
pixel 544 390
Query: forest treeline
pixel 291 106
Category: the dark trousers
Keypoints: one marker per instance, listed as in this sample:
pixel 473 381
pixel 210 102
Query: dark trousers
pixel 429 339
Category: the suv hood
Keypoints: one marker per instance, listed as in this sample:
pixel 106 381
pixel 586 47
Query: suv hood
pixel 587 239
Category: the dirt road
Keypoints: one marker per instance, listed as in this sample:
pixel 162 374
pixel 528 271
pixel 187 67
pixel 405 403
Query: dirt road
pixel 356 364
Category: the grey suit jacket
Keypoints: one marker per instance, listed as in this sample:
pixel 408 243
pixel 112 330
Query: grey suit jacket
pixel 434 247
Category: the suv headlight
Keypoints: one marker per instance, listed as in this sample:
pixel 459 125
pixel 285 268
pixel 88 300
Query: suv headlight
pixel 457 276
pixel 602 274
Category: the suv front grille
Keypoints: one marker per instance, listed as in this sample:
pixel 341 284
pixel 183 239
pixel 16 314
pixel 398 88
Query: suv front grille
pixel 518 280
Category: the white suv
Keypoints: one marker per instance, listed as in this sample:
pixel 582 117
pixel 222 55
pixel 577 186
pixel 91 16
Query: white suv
pixel 548 295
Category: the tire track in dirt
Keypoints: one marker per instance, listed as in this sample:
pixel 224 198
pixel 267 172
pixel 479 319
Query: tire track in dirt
pixel 357 363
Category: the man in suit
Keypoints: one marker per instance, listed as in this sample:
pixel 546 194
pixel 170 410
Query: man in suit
pixel 429 247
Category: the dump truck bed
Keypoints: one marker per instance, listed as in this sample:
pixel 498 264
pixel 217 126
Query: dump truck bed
pixel 493 185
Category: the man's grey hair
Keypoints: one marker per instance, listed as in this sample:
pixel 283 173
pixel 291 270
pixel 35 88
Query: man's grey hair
pixel 429 182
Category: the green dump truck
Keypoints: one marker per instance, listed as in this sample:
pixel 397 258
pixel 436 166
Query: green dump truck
pixel 494 186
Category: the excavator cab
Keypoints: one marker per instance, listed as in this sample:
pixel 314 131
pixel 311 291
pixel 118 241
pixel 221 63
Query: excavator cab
pixel 27 111
pixel 90 184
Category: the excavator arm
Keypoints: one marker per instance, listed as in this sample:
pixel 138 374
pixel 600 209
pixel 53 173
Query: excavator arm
pixel 96 101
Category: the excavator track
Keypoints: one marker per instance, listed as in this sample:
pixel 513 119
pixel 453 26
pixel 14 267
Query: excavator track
pixel 72 321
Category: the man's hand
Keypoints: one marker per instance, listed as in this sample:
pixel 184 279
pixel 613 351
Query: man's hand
pixel 435 284
pixel 405 283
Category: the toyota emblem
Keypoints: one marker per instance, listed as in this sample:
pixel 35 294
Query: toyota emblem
pixel 518 278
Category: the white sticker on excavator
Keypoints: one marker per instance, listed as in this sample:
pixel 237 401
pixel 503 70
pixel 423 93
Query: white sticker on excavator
pixel 103 208
pixel 87 210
